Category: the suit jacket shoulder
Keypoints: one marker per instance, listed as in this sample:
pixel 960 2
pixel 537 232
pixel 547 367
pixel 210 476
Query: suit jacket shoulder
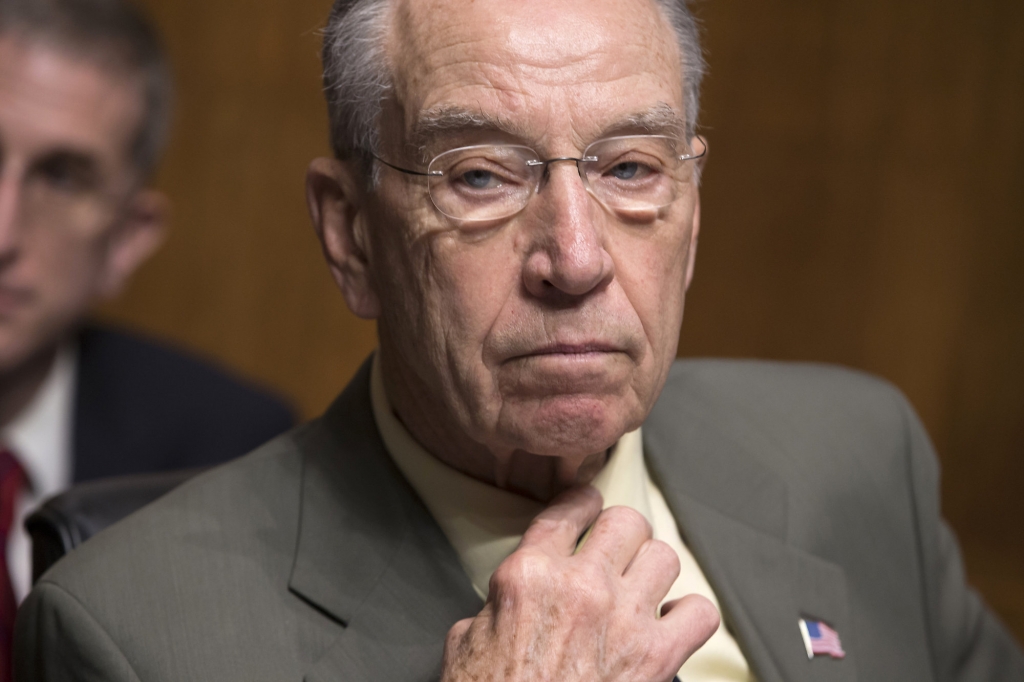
pixel 310 558
pixel 192 587
pixel 141 406
pixel 826 431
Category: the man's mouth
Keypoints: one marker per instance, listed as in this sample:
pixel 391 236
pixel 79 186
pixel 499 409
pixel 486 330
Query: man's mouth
pixel 577 348
pixel 571 349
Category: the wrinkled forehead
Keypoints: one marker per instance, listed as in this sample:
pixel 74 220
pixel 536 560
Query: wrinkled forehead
pixel 539 66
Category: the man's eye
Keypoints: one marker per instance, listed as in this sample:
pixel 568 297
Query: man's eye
pixel 636 170
pixel 480 179
pixel 66 175
pixel 63 178
pixel 625 171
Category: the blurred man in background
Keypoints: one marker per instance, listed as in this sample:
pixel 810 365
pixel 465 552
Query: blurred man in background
pixel 85 97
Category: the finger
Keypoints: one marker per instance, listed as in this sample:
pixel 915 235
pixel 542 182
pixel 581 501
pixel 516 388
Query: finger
pixel 559 526
pixel 458 631
pixel 688 623
pixel 617 536
pixel 652 572
pixel 453 642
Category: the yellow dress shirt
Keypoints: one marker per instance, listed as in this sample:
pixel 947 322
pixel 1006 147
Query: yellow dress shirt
pixel 485 523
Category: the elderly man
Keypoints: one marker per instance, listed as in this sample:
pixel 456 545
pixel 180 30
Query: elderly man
pixel 84 105
pixel 514 199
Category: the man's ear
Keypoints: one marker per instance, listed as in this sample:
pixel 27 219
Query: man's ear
pixel 138 235
pixel 337 209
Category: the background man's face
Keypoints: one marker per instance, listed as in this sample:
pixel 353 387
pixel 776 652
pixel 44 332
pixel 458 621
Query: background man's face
pixel 65 173
pixel 551 332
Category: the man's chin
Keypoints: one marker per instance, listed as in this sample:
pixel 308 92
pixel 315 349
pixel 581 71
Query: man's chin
pixel 22 344
pixel 14 351
pixel 570 426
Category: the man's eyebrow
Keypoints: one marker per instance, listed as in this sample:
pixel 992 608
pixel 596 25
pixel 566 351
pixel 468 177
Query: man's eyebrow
pixel 434 123
pixel 661 119
pixel 82 163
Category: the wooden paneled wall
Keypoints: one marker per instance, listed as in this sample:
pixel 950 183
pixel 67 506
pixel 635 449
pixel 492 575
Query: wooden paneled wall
pixel 241 277
pixel 863 204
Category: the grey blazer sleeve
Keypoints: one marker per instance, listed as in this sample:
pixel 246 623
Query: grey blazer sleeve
pixel 968 642
pixel 58 641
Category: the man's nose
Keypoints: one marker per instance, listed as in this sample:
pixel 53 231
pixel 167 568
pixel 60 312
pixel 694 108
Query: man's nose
pixel 567 255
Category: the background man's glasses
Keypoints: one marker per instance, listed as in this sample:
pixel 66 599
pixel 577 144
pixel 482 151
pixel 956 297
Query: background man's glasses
pixel 634 176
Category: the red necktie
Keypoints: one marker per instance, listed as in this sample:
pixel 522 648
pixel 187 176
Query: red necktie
pixel 12 482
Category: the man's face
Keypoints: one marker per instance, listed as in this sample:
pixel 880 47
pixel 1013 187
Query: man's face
pixel 551 332
pixel 65 187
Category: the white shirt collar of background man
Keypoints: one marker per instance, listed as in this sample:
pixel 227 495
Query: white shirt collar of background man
pixel 40 436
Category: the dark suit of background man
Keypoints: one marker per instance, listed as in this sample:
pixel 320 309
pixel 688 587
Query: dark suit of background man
pixel 84 105
pixel 514 197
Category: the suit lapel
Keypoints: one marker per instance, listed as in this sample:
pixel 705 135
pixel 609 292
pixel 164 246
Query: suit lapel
pixel 398 632
pixel 370 556
pixel 110 420
pixel 732 513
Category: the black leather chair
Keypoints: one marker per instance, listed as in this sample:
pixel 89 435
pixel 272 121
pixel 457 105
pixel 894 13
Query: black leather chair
pixel 67 520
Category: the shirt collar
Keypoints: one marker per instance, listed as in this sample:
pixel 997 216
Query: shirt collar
pixel 40 435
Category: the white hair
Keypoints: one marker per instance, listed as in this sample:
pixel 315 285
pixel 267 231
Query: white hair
pixel 357 76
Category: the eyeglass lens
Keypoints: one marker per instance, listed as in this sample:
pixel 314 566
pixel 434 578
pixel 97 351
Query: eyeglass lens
pixel 630 175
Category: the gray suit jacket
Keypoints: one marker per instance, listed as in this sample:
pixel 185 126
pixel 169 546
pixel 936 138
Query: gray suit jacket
pixel 802 490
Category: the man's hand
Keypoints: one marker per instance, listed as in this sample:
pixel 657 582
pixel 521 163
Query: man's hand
pixel 590 616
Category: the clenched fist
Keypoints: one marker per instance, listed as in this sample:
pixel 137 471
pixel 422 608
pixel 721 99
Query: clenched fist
pixel 560 615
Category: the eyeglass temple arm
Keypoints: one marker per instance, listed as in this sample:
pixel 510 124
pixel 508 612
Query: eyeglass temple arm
pixel 703 149
pixel 400 169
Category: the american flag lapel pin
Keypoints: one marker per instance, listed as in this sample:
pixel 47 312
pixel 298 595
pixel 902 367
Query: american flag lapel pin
pixel 820 639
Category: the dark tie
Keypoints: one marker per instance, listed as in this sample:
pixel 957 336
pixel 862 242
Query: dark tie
pixel 12 482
